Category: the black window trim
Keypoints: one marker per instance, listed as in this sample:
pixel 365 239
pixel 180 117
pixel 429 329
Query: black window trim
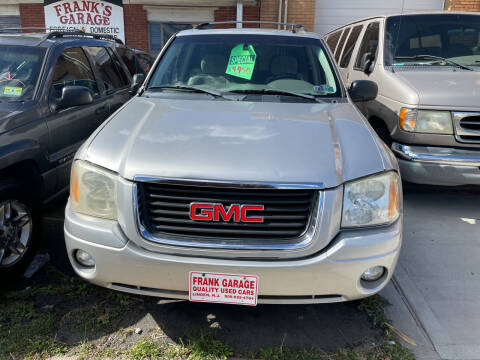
pixel 356 68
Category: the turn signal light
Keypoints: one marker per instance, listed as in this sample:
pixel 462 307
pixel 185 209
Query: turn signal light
pixel 408 119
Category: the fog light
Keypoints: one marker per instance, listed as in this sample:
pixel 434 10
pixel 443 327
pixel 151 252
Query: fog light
pixel 84 258
pixel 373 273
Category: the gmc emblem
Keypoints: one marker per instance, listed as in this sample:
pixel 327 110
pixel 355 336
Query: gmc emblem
pixel 217 212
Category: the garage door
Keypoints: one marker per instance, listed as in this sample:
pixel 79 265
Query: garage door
pixel 331 14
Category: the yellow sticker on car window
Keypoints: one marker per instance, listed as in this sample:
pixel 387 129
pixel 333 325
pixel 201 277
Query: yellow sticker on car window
pixel 12 91
pixel 241 61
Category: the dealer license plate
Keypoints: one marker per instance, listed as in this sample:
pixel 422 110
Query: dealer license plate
pixel 223 288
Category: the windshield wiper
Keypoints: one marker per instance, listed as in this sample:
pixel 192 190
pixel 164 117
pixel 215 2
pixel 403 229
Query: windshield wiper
pixel 190 88
pixel 433 57
pixel 273 92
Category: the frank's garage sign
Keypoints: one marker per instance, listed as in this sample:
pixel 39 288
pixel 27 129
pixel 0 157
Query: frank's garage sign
pixel 92 16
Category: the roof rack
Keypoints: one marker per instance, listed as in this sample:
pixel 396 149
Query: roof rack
pixel 63 33
pixel 57 34
pixel 293 27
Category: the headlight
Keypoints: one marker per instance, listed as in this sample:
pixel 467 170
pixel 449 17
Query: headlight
pixel 93 191
pixel 374 200
pixel 426 121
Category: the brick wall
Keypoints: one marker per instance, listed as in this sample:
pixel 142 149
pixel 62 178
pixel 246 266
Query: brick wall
pixel 298 12
pixel 250 13
pixel 462 5
pixel 31 15
pixel 136 26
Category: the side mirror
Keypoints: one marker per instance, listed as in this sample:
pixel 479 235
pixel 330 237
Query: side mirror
pixel 367 62
pixel 73 95
pixel 137 81
pixel 363 90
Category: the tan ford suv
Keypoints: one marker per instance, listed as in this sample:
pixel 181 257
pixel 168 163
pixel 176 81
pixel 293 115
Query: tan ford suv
pixel 427 68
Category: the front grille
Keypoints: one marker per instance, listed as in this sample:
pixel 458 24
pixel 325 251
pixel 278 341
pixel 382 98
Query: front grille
pixel 467 127
pixel 165 209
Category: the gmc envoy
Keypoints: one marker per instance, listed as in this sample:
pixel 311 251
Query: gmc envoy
pixel 241 172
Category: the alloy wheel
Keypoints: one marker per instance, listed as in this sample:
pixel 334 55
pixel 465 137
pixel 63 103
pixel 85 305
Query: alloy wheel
pixel 15 232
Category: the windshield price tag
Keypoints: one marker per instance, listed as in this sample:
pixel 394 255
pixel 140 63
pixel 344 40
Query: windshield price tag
pixel 241 61
pixel 12 91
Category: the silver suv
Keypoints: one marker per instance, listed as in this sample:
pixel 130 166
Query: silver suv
pixel 240 173
pixel 427 67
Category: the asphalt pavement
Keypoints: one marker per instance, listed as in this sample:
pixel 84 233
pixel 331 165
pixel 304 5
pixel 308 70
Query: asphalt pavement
pixel 435 292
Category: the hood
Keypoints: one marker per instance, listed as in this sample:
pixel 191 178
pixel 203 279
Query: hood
pixel 446 88
pixel 237 141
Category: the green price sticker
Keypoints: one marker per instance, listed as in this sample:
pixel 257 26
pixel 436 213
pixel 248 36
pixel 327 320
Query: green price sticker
pixel 241 61
pixel 12 91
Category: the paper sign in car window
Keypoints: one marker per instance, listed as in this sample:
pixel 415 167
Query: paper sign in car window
pixel 241 61
pixel 12 91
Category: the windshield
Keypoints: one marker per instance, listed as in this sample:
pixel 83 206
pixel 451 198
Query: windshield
pixel 247 64
pixel 19 69
pixel 423 39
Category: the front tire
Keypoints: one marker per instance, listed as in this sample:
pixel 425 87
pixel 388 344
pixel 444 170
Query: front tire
pixel 19 229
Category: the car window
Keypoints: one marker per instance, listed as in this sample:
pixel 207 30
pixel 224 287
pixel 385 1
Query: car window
pixel 229 63
pixel 452 36
pixel 19 71
pixel 369 44
pixel 128 58
pixel 72 68
pixel 340 44
pixel 333 39
pixel 350 45
pixel 146 61
pixel 106 67
pixel 118 65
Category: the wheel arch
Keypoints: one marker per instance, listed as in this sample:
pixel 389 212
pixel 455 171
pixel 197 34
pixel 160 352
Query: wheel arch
pixel 24 175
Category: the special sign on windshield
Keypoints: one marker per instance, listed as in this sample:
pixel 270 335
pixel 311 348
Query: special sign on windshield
pixel 241 61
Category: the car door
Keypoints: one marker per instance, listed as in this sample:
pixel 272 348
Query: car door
pixel 69 127
pixel 367 53
pixel 115 79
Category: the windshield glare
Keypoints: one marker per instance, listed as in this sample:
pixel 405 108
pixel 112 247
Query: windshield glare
pixel 19 70
pixel 248 63
pixel 451 36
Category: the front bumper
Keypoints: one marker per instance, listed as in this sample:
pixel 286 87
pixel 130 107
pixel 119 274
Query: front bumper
pixel 437 165
pixel 329 276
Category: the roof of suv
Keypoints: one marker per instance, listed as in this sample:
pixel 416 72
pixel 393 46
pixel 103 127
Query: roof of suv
pixel 41 39
pixel 249 31
pixel 409 13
